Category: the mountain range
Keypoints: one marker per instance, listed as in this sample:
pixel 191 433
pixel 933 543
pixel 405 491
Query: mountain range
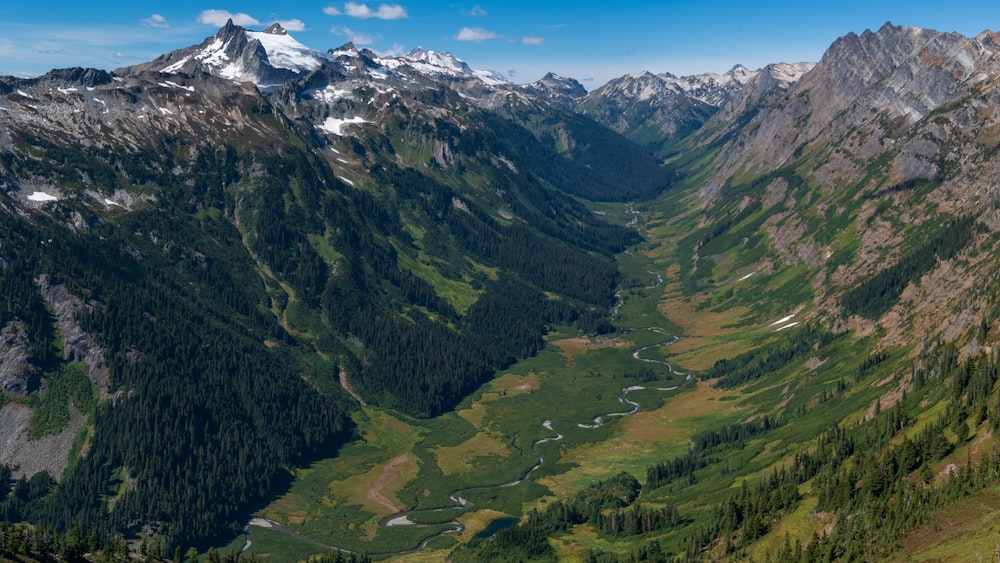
pixel 212 261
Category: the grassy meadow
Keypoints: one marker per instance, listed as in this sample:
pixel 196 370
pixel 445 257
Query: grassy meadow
pixel 483 450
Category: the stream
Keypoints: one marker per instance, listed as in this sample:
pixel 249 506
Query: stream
pixel 460 503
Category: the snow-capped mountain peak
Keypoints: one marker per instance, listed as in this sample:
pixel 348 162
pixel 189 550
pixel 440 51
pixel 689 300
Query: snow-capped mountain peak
pixel 438 59
pixel 437 63
pixel 346 50
pixel 267 58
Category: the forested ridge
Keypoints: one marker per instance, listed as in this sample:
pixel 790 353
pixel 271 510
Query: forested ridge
pixel 236 288
pixel 869 482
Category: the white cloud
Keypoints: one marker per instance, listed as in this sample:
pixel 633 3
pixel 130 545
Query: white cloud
pixel 362 11
pixel 478 11
pixel 47 48
pixel 475 34
pixel 532 40
pixel 155 20
pixel 356 37
pixel 219 18
pixel 292 25
pixel 394 51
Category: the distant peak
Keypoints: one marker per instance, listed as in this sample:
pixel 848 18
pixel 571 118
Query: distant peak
pixel 416 53
pixel 642 74
pixel 274 29
pixel 348 49
pixel 229 30
pixel 432 56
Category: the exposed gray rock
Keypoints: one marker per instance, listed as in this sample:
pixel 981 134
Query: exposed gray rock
pixel 27 456
pixel 18 376
pixel 78 346
pixel 870 86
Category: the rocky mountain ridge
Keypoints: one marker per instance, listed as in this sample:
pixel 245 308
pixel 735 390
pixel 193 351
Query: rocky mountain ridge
pixel 656 110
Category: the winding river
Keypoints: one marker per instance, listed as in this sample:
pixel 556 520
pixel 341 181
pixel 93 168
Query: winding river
pixel 460 503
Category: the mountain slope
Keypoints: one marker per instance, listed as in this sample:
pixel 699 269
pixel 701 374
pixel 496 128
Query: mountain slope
pixel 877 140
pixel 830 258
pixel 265 218
pixel 208 245
pixel 659 110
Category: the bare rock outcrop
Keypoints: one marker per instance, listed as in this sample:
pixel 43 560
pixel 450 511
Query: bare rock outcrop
pixel 18 375
pixel 78 346
pixel 30 456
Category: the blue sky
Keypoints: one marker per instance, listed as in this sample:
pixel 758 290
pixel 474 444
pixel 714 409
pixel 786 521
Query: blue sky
pixel 588 40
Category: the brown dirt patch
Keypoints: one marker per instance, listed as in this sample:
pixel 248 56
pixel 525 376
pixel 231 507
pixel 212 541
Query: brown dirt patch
pixel 572 347
pixel 347 387
pixel 390 480
pixel 510 384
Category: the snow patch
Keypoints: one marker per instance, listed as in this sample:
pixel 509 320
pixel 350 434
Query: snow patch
pixel 347 181
pixel 490 78
pixel 214 54
pixel 790 72
pixel 789 325
pixel 42 196
pixel 336 126
pixel 746 276
pixel 169 84
pixel 285 52
pixel 65 91
pixel 782 320
pixel 176 67
pixel 331 94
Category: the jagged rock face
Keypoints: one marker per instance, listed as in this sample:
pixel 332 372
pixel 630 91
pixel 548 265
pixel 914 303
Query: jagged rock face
pixel 646 108
pixel 236 54
pixel 893 133
pixel 870 87
pixel 18 376
pixel 78 346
